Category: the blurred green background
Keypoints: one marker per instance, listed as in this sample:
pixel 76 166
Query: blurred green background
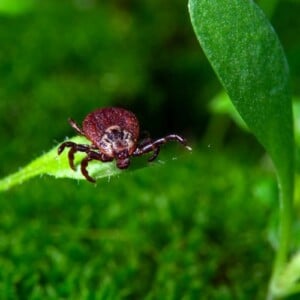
pixel 193 226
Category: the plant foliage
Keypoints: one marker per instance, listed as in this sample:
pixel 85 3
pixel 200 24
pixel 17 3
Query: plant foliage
pixel 248 58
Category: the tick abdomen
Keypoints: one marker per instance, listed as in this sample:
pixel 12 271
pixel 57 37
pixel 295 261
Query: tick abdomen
pixel 97 123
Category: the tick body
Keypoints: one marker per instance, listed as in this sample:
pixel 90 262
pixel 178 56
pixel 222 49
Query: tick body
pixel 114 134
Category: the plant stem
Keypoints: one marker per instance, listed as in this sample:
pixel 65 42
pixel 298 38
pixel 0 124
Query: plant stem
pixel 285 224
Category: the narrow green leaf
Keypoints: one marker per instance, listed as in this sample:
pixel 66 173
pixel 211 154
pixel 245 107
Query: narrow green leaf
pixel 247 56
pixel 56 165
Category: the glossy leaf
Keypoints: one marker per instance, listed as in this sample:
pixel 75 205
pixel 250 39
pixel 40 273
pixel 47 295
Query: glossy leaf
pixel 248 58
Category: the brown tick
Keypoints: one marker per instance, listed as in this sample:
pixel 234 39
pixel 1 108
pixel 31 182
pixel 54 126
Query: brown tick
pixel 114 133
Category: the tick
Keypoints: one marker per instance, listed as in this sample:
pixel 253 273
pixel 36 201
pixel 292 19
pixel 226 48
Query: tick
pixel 114 134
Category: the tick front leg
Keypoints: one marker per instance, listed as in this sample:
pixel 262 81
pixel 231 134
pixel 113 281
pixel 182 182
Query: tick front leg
pixel 91 155
pixel 84 171
pixel 155 154
pixel 155 145
pixel 143 149
pixel 71 158
pixel 172 137
pixel 74 148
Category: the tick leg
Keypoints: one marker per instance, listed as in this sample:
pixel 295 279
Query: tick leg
pixel 75 126
pixel 155 145
pixel 71 153
pixel 78 147
pixel 172 137
pixel 84 171
pixel 74 148
pixel 91 155
pixel 99 156
pixel 146 149
pixel 155 154
pixel 71 158
pixel 62 147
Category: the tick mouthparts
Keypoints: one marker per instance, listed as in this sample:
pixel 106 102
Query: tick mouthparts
pixel 123 163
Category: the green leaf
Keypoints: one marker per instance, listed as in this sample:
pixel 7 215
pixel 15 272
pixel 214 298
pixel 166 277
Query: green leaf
pixel 248 58
pixel 56 165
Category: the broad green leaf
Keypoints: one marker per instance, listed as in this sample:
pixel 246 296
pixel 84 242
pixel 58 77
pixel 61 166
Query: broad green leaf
pixel 247 56
pixel 56 165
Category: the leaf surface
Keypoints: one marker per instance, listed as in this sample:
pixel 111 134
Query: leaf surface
pixel 51 163
pixel 248 58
